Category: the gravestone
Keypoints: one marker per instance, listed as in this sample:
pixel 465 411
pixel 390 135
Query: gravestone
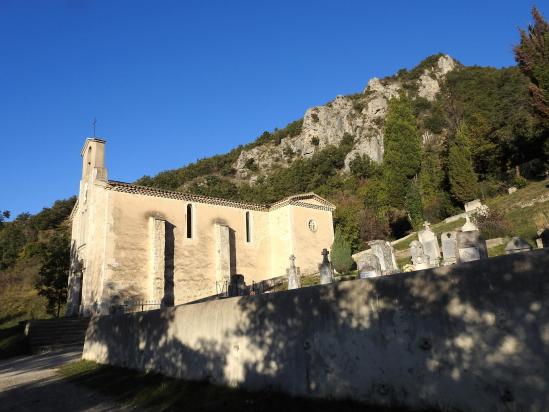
pixel 469 226
pixel 325 269
pixel 449 248
pixel 429 243
pixel 419 259
pixel 470 246
pixel 473 205
pixel 517 245
pixel 293 273
pixel 369 266
pixel 386 255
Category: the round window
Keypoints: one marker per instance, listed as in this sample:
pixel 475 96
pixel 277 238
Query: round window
pixel 312 225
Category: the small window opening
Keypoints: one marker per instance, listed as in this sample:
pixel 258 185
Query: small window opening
pixel 248 228
pixel 189 221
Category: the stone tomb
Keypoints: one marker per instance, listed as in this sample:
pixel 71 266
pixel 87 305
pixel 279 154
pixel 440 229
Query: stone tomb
pixel 386 255
pixel 517 245
pixel 369 266
pixel 419 259
pixel 449 248
pixel 429 242
pixel 470 246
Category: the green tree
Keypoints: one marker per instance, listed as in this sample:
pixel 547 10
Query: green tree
pixel 532 56
pixel 413 205
pixel 432 178
pixel 363 167
pixel 53 274
pixel 461 174
pixel 402 157
pixel 4 215
pixel 341 253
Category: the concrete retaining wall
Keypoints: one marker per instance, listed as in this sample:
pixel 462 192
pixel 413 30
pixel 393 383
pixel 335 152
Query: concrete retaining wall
pixel 471 337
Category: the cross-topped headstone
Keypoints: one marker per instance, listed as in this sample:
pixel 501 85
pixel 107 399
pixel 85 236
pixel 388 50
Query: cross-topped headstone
pixel 325 254
pixel 293 273
pixel 325 269
pixel 427 225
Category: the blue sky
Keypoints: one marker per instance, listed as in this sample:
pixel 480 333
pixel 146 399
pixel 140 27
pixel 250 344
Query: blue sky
pixel 173 81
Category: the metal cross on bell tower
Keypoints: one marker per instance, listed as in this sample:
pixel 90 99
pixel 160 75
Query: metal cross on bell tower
pixel 94 123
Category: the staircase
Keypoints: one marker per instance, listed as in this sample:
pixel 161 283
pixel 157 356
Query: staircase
pixel 59 333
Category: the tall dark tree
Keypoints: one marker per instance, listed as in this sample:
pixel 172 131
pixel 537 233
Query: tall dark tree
pixel 461 173
pixel 413 205
pixel 402 157
pixel 52 282
pixel 431 182
pixel 532 56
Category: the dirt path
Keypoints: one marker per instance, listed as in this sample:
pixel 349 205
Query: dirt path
pixel 30 383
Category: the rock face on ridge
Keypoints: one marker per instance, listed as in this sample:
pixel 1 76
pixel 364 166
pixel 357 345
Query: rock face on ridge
pixel 361 115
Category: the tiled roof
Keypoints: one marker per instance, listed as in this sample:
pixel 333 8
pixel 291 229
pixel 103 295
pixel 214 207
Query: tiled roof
pixel 296 200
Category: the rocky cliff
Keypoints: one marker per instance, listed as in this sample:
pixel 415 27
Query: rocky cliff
pixel 360 115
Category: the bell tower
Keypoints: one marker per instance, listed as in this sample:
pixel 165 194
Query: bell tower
pixel 93 160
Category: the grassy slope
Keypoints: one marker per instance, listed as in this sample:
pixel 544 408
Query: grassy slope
pixel 160 393
pixel 19 301
pixel 523 221
pixel 438 228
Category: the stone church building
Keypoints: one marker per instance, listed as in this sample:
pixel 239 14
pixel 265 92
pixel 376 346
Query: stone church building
pixel 136 243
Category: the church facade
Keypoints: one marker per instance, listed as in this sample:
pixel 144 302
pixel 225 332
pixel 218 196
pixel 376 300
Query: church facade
pixel 136 243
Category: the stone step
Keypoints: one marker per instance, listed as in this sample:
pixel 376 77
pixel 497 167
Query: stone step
pixel 57 333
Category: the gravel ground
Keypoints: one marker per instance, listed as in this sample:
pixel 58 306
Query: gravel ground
pixel 30 383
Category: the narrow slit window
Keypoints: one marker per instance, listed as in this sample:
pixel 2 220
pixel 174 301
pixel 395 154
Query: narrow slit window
pixel 248 228
pixel 189 221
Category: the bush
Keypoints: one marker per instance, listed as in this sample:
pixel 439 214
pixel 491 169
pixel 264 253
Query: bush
pixel 358 106
pixel 519 182
pixel 362 166
pixel 341 253
pixel 250 164
pixel 315 141
pixel 288 152
pixel 491 223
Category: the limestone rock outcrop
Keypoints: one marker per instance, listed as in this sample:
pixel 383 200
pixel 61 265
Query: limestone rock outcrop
pixel 361 115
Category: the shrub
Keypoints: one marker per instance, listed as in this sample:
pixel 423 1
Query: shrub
pixel 348 140
pixel 250 165
pixel 288 152
pixel 315 118
pixel 491 223
pixel 519 182
pixel 362 166
pixel 358 106
pixel 315 141
pixel 341 253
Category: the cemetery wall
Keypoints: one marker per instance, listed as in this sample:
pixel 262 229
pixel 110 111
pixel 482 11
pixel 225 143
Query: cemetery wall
pixel 473 336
